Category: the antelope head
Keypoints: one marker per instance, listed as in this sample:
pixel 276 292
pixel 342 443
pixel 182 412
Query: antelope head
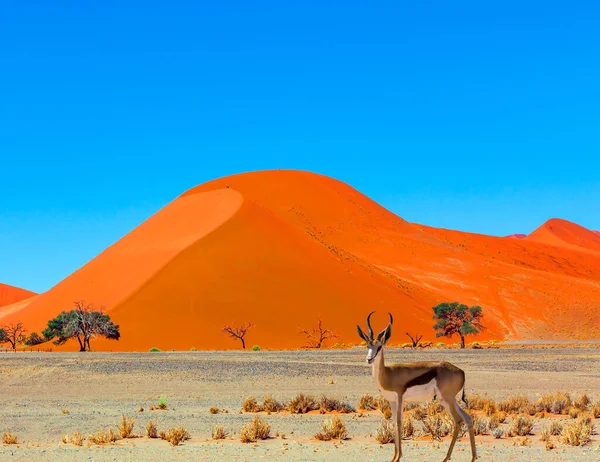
pixel 374 345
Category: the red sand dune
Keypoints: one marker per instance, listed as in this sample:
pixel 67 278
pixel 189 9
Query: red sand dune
pixel 281 248
pixel 563 233
pixel 10 295
pixel 516 236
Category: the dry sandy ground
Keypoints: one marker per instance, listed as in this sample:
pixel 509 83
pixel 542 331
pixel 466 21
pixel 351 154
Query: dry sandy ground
pixel 97 388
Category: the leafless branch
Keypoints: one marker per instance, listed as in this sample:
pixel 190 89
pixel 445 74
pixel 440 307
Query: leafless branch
pixel 317 335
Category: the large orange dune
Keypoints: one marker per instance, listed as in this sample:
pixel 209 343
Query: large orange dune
pixel 11 294
pixel 282 248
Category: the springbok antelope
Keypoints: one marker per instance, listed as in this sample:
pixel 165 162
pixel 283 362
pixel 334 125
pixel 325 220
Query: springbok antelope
pixel 416 381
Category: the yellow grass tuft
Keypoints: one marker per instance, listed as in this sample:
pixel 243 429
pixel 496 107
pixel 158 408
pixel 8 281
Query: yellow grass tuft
pixel 555 428
pixel 515 405
pixel 151 430
pixel 218 433
pixel 175 436
pixel 103 437
pixel 9 438
pixel 577 433
pixel 251 405
pixel 256 429
pixel 77 439
pixel 437 426
pixel 582 402
pixel 270 404
pixel 386 432
pixel 332 429
pixel 302 404
pixel 521 425
pixel 126 427
pixel 329 404
pixel 481 425
pixel 573 412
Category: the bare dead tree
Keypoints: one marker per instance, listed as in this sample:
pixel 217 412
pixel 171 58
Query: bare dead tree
pixel 317 335
pixel 13 334
pixel 415 340
pixel 238 332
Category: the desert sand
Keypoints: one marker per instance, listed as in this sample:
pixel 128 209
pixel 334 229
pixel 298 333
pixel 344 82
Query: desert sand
pixel 98 388
pixel 281 248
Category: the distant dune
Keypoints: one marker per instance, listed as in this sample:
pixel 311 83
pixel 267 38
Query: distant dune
pixel 10 295
pixel 281 248
pixel 517 236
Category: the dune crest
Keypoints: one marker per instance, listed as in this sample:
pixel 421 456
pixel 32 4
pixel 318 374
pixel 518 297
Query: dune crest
pixel 281 248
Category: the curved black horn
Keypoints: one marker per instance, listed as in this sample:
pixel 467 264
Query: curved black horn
pixel 369 324
pixel 391 319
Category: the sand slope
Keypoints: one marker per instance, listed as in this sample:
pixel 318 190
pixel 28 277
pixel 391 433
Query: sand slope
pixel 11 294
pixel 281 248
pixel 562 233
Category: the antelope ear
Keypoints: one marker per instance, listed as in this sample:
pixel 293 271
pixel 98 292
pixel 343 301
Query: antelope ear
pixel 362 334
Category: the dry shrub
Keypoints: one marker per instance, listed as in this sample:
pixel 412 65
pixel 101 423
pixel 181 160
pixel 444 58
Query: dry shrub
pixel 408 427
pixel 555 428
pixel 595 410
pixel 515 404
pixel 494 422
pixel 434 407
pixel 526 441
pixel 328 404
pixel 126 427
pixel 256 429
pixel 175 436
pixel 577 433
pixel 383 405
pixel 77 439
pixel 549 445
pixel 367 402
pixel 497 433
pixel 475 402
pixel 386 432
pixel 582 402
pixel 272 405
pixel 490 408
pixel 251 405
pixel 560 403
pixel 302 404
pixel 151 430
pixel 9 438
pixel 418 413
pixel 103 436
pixel 573 412
pixel 437 426
pixel 545 435
pixel 481 425
pixel 332 429
pixel 521 425
pixel 218 433
pixel 214 410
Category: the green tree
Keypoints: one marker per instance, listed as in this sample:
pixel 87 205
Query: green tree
pixel 33 339
pixel 457 318
pixel 82 323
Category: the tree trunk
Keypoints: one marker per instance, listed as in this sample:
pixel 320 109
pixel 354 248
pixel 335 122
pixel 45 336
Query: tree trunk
pixel 462 341
pixel 81 344
pixel 243 343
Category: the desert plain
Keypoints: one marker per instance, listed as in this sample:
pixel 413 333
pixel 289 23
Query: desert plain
pixel 48 395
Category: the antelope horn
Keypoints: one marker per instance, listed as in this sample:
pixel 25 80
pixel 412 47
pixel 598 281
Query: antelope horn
pixel 369 324
pixel 391 319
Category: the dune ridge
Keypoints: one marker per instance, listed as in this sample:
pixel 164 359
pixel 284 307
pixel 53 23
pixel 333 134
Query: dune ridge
pixel 281 248
pixel 10 294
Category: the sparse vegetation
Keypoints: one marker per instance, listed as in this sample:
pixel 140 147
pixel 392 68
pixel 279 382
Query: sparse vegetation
pixel 14 334
pixel 302 404
pixel 414 340
pixel 151 430
pixel 437 425
pixel 386 431
pixel 255 348
pixel 238 332
pixel 332 429
pixel 521 425
pixel 256 429
pixel 328 404
pixel 9 438
pixel 101 437
pixel 577 433
pixel 270 404
pixel 218 433
pixel 162 403
pixel 76 438
pixel 497 433
pixel 175 436
pixel 126 427
pixel 214 410
pixel 454 318
pixel 154 350
pixel 317 336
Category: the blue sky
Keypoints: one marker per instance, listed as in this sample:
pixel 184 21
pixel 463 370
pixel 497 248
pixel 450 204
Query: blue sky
pixel 478 116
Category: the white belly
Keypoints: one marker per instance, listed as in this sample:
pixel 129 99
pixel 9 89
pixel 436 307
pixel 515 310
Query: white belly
pixel 424 392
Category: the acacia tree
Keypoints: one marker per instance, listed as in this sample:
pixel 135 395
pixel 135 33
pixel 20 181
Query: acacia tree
pixel 317 335
pixel 457 318
pixel 33 339
pixel 82 323
pixel 13 334
pixel 238 332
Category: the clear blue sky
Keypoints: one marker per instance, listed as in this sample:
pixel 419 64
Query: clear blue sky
pixel 478 116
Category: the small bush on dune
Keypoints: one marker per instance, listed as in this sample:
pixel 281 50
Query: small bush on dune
pixel 151 430
pixel 367 402
pixel 497 433
pixel 154 350
pixel 175 436
pixel 126 427
pixel 256 429
pixel 328 404
pixel 332 429
pixel 560 403
pixel 255 348
pixel 515 404
pixel 521 425
pixel 386 432
pixel 573 412
pixel 437 426
pixel 582 402
pixel 218 433
pixel 302 404
pixel 76 438
pixel 9 438
pixel 270 404
pixel 103 436
pixel 577 433
pixel 251 405
pixel 595 410
pixel 545 435
pixel 555 428
pixel 481 425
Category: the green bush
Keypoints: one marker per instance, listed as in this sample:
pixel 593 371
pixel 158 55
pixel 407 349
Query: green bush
pixel 193 349
pixel 154 350
pixel 440 344
pixel 255 348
